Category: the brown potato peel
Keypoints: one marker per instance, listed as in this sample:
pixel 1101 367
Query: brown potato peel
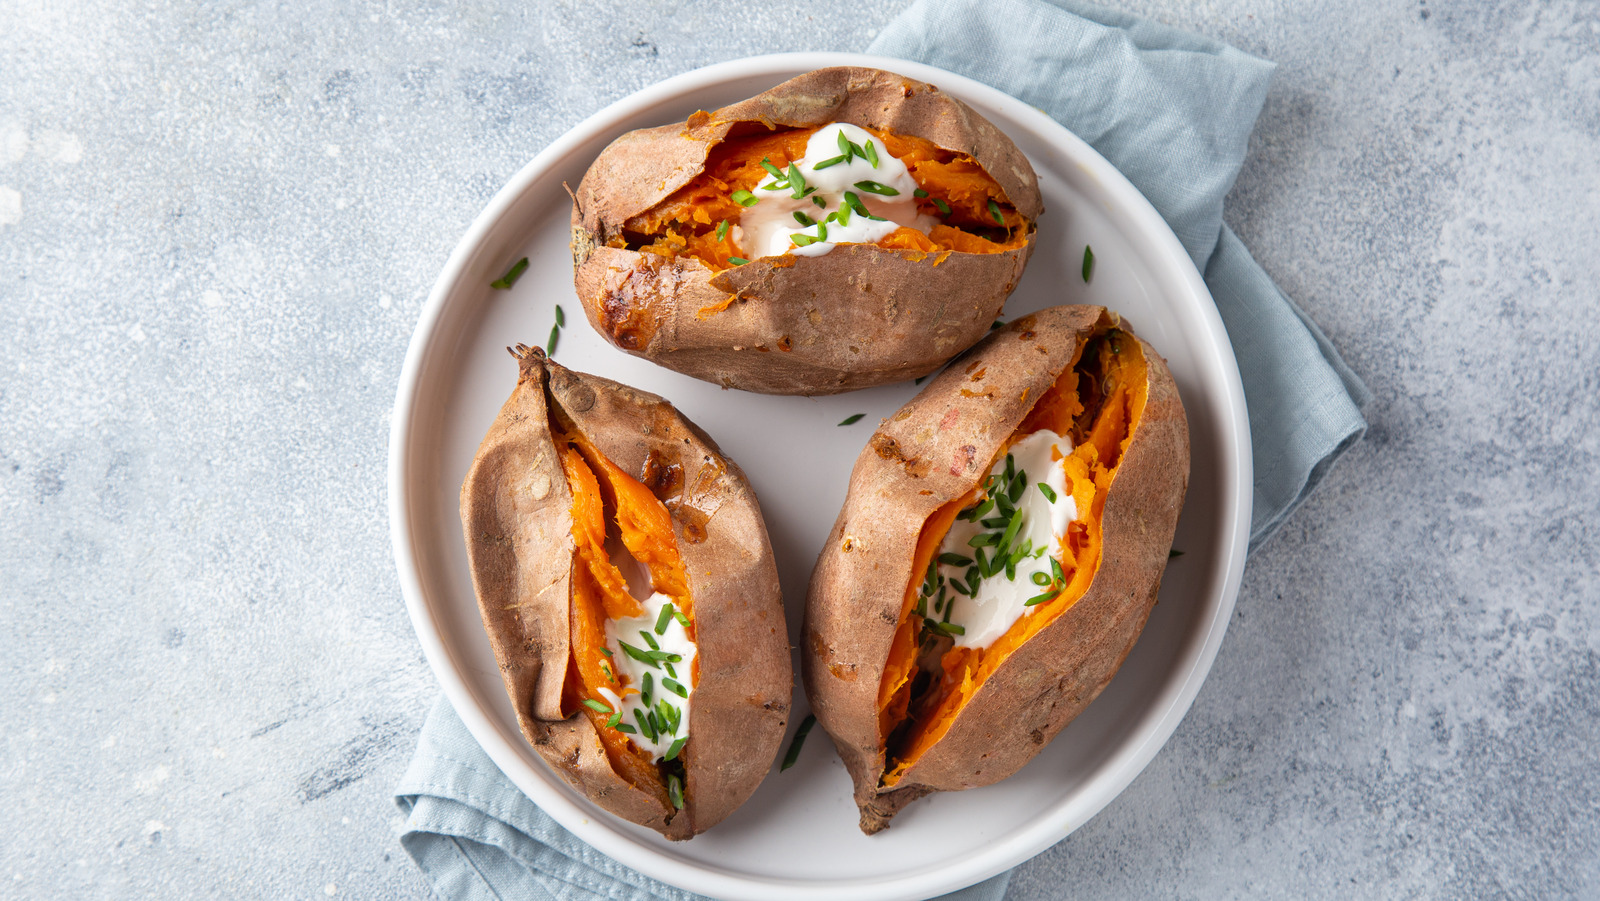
pixel 858 316
pixel 517 518
pixel 933 453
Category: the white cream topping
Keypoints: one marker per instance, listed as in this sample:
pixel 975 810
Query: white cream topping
pixel 632 673
pixel 769 227
pixel 999 601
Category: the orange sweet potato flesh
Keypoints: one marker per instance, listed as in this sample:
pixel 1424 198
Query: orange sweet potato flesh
pixel 685 224
pixel 1113 373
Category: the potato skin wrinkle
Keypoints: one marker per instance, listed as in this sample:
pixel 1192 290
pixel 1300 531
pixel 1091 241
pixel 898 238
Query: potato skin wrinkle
pixel 928 459
pixel 517 517
pixel 857 316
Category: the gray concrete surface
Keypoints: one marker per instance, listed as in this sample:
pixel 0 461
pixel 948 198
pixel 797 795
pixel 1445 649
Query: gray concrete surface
pixel 218 223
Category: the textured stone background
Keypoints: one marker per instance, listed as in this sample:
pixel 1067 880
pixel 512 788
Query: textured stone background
pixel 218 223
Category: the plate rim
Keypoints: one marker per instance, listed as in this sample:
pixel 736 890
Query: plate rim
pixel 1019 846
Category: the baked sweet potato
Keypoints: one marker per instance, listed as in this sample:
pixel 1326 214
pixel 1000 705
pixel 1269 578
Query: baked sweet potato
pixel 679 257
pixel 966 606
pixel 625 578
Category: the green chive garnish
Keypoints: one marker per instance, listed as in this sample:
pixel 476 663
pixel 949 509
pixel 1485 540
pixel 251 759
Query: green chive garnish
pixel 1039 598
pixel 682 620
pixel 944 208
pixel 819 202
pixel 1039 579
pixel 872 154
pixel 994 212
pixel 722 229
pixel 649 639
pixel 772 170
pixel 645 727
pixel 1055 570
pixel 675 790
pixel 797 182
pixel 647 688
pixel 805 724
pixel 637 654
pixel 745 198
pixel 804 240
pixel 919 193
pixel 830 161
pixel 1088 262
pixel 1048 492
pixel 614 720
pixel 995 522
pixel 561 316
pixel 804 220
pixel 955 560
pixel 950 629
pixel 676 687
pixel 738 261
pixel 852 419
pixel 841 215
pixel 511 276
pixel 672 751
pixel 550 346
pixel 596 706
pixel 664 618
pixel 872 187
pixel 627 729
pixel 845 147
pixel 606 651
pixel 671 672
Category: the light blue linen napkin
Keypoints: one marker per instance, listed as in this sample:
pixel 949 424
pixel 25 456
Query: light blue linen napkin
pixel 1173 112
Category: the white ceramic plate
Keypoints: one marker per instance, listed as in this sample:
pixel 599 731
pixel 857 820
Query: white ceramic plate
pixel 797 837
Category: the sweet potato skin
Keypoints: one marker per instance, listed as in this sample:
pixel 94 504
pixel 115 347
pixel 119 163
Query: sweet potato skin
pixel 931 452
pixel 517 522
pixel 855 317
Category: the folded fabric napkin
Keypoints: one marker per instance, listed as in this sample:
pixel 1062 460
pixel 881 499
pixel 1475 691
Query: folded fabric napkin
pixel 1173 112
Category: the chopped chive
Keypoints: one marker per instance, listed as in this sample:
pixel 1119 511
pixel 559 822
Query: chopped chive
pixel 676 687
pixel 845 147
pixel 955 560
pixel 852 419
pixel 1011 530
pixel 674 748
pixel 647 688
pixel 985 507
pixel 663 714
pixel 738 261
pixel 627 729
pixel 561 316
pixel 614 720
pixel 950 629
pixel 1039 598
pixel 804 240
pixel 745 198
pixel 1174 553
pixel 805 724
pixel 606 651
pixel 822 231
pixel 666 617
pixel 671 672
pixel 1040 579
pixel 919 193
pixel 797 182
pixel 675 790
pixel 1014 490
pixel 819 202
pixel 974 571
pixel 841 215
pixel 682 620
pixel 722 229
pixel 1048 492
pixel 649 639
pixel 511 276
pixel 596 706
pixel 610 676
pixel 1088 262
pixel 656 723
pixel 872 187
pixel 775 186
pixel 1011 469
pixel 987 539
pixel 929 582
pixel 774 171
pixel 944 208
pixel 637 654
pixel 830 161
pixel 673 658
pixel 994 212
pixel 550 346
pixel 803 219
pixel 872 154
pixel 646 728
pixel 995 522
pixel 1055 570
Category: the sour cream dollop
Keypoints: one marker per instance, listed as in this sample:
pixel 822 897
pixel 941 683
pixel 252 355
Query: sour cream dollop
pixel 770 227
pixel 649 687
pixel 986 606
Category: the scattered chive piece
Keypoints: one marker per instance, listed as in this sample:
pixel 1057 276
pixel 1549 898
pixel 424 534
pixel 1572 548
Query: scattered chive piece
pixel 511 276
pixel 772 170
pixel 994 522
pixel 745 198
pixel 872 187
pixel 944 208
pixel 1174 553
pixel 722 229
pixel 1048 492
pixel 872 154
pixel 647 688
pixel 994 212
pixel 955 560
pixel 738 261
pixel 1055 570
pixel 821 204
pixel 852 419
pixel 610 676
pixel 649 639
pixel 1039 598
pixel 797 182
pixel 1088 262
pixel 615 719
pixel 950 629
pixel 672 752
pixel 822 231
pixel 676 687
pixel 674 658
pixel 561 316
pixel 830 161
pixel 627 729
pixel 841 215
pixel 550 346
pixel 845 147
pixel 682 620
pixel 1041 579
pixel 675 790
pixel 919 193
pixel 664 618
pixel 596 706
pixel 645 728
pixel 805 724
pixel 804 240
pixel 606 651
pixel 803 219
pixel 637 654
